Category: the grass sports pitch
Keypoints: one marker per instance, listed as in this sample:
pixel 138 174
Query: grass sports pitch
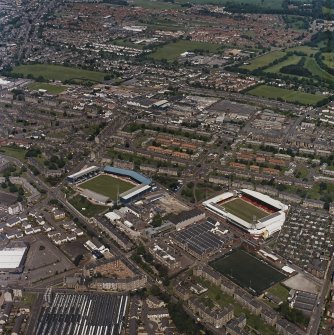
pixel 107 186
pixel 247 271
pixel 244 210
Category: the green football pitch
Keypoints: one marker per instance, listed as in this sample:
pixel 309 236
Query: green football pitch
pixel 244 210
pixel 247 271
pixel 107 186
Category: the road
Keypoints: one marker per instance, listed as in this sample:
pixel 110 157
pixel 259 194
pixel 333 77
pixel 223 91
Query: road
pixel 315 319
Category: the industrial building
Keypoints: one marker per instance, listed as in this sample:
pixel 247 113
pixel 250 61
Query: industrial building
pixel 84 314
pixel 12 257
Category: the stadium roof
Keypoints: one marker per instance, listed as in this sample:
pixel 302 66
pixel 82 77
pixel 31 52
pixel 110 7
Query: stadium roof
pixel 83 172
pixel 265 198
pixel 129 173
pixel 134 191
pixel 10 258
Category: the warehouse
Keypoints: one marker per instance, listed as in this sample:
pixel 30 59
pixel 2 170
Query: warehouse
pixel 84 314
pixel 12 258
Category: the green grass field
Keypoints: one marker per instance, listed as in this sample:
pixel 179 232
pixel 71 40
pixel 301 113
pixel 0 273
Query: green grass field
pixel 107 186
pixel 58 72
pixel 148 4
pixel 86 207
pixel 316 70
pixel 292 60
pixel 274 4
pixel 244 210
pixel 247 271
pixel 173 50
pixel 273 92
pixel 53 89
pixel 279 291
pixel 126 43
pixel 305 49
pixel 263 60
pixel 16 152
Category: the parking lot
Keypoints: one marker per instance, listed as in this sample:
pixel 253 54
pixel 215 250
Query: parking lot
pixel 44 260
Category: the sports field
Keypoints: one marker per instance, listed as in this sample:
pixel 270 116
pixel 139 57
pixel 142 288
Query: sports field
pixel 292 60
pixel 244 210
pixel 173 50
pixel 247 271
pixel 53 89
pixel 107 186
pixel 58 72
pixel 263 60
pixel 273 92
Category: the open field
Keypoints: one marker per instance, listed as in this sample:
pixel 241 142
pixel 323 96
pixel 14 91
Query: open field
pixel 53 89
pixel 273 92
pixel 16 152
pixel 280 291
pixel 316 70
pixel 247 271
pixel 58 72
pixel 244 210
pixel 292 60
pixel 328 58
pixel 263 60
pixel 85 207
pixel 173 50
pixel 126 43
pixel 309 51
pixel 156 4
pixel 107 185
pixel 274 4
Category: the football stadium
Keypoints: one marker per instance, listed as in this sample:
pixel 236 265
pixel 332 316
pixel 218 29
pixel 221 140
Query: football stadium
pixel 254 212
pixel 110 185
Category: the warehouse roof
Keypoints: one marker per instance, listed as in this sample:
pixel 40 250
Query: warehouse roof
pixel 10 258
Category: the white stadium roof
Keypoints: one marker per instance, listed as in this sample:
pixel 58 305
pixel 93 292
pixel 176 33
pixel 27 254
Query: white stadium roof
pixel 134 191
pixel 265 198
pixel 83 172
pixel 10 258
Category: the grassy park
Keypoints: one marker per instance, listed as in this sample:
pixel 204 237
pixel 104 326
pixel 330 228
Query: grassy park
pixel 173 50
pixel 86 207
pixel 273 92
pixel 53 89
pixel 263 60
pixel 58 72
